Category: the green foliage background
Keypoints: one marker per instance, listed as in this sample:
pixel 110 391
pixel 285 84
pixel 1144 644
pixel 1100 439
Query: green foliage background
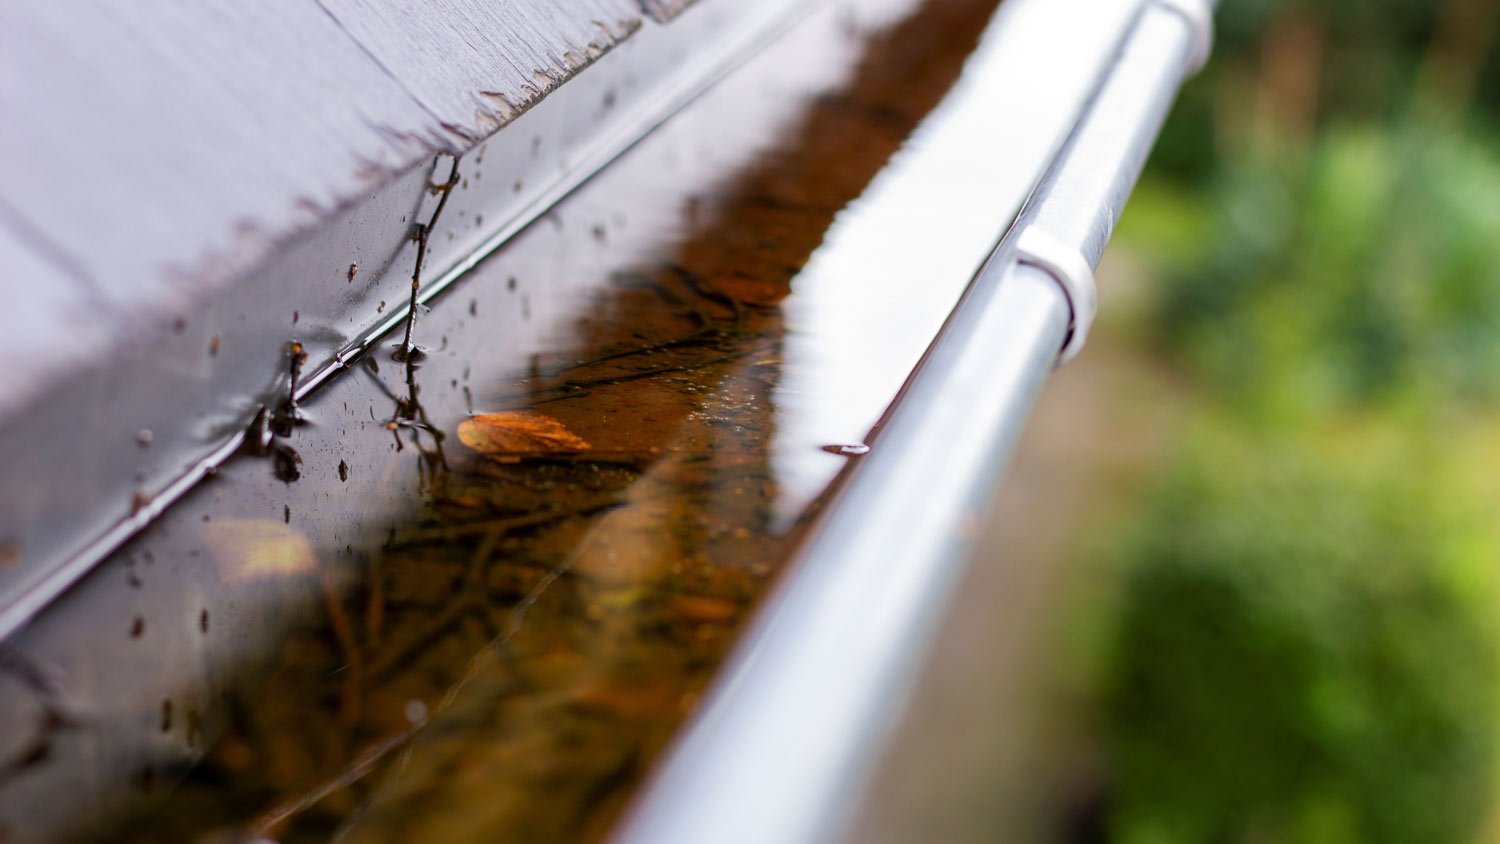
pixel 1303 648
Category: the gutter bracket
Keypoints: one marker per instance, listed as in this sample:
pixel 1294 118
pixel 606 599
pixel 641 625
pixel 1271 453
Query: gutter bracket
pixel 1067 266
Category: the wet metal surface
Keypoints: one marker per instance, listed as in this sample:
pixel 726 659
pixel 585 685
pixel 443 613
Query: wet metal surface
pixel 189 355
pixel 503 575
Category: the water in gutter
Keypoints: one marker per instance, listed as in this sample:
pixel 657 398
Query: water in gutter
pixel 506 570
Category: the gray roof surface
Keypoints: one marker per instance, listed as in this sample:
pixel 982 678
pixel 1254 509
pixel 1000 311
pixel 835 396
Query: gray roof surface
pixel 186 188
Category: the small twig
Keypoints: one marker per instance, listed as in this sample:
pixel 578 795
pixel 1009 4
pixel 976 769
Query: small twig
pixel 288 414
pixel 421 235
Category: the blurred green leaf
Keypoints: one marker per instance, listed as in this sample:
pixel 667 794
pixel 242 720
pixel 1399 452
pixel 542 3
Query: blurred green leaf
pixel 1305 651
pixel 1368 272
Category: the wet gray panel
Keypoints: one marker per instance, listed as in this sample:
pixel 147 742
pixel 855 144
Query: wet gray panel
pixel 164 149
pixel 152 198
pixel 59 311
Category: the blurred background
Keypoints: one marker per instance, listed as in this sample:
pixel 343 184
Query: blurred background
pixel 1291 634
pixel 1257 522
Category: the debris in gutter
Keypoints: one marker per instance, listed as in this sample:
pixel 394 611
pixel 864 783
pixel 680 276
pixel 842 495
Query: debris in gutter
pixel 408 352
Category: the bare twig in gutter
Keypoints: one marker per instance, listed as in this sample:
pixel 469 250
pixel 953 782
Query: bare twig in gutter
pixel 424 231
pixel 410 414
pixel 288 414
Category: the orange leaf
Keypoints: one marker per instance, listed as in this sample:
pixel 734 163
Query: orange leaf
pixel 518 432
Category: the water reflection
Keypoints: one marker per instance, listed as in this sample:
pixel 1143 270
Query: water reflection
pixel 505 658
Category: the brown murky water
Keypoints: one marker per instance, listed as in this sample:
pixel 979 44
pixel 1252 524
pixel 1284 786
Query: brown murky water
pixel 454 628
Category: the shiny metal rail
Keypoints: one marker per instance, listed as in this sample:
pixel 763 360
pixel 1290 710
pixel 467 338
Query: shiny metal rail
pixel 782 747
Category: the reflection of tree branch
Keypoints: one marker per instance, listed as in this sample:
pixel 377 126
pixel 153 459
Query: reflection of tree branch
pixel 471 601
pixel 343 630
pixel 579 385
pixel 636 375
pixel 411 415
pixel 357 770
pixel 507 525
pixel 709 331
pixel 702 337
pixel 54 718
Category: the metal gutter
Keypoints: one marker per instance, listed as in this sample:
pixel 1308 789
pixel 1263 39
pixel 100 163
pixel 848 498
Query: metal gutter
pixel 885 135
pixel 783 745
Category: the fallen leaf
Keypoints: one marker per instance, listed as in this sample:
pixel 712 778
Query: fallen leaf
pixel 518 432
